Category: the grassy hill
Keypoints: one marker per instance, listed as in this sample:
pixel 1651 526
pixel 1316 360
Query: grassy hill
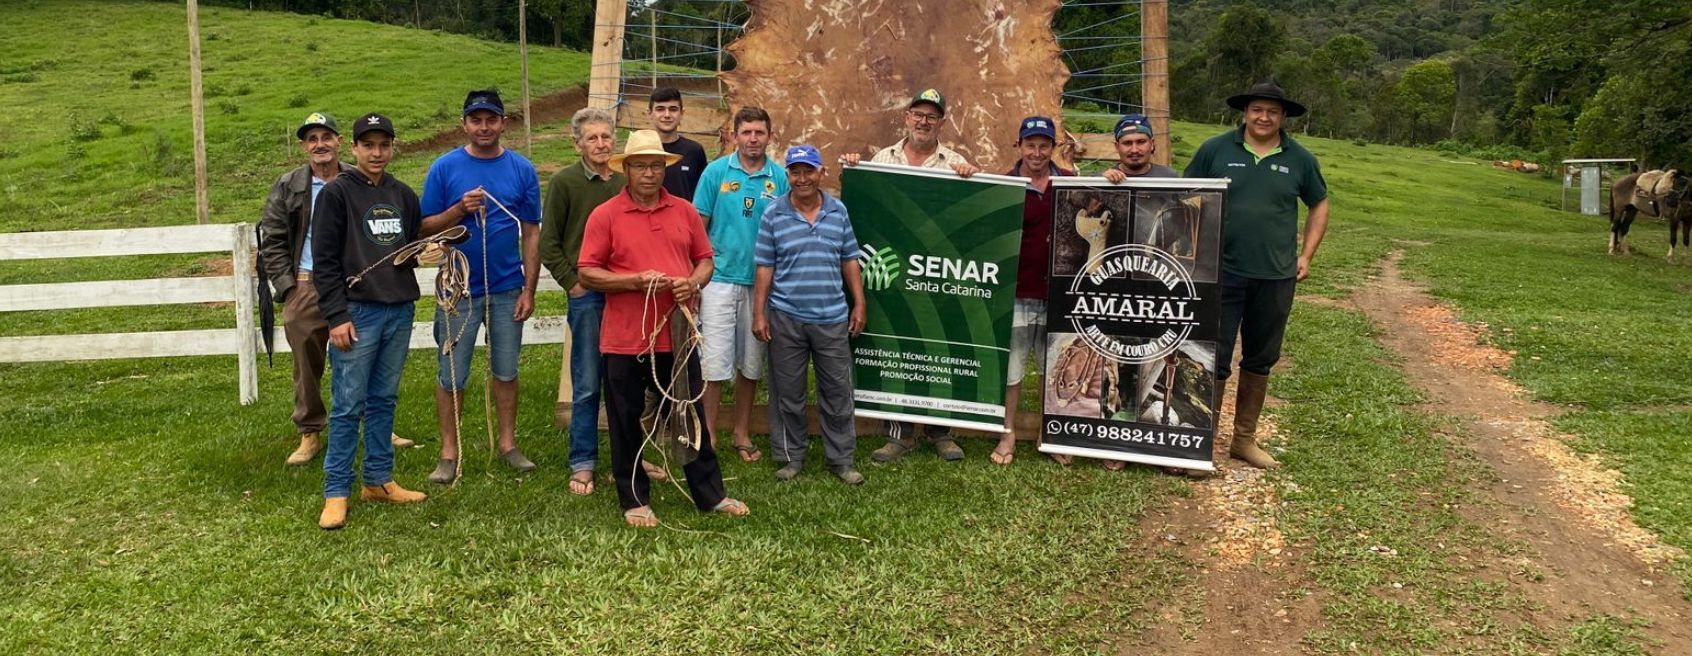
pixel 94 98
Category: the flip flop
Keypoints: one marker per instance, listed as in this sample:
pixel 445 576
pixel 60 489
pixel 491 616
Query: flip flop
pixel 1002 457
pixel 655 472
pixel 749 452
pixel 581 483
pixel 641 517
pixel 1115 465
pixel 732 508
pixel 1061 459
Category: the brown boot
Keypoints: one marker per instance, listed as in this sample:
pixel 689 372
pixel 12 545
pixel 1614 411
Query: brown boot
pixel 390 492
pixel 309 446
pixel 334 513
pixel 1248 405
pixel 400 442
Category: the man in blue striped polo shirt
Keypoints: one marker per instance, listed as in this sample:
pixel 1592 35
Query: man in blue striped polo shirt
pixel 807 259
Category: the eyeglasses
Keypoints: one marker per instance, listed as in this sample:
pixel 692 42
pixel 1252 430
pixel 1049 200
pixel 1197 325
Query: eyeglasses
pixel 925 117
pixel 643 166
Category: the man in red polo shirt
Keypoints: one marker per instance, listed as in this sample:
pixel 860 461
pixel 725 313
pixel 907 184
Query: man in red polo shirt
pixel 647 250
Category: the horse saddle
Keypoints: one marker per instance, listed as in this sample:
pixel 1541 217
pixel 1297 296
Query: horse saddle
pixel 1653 187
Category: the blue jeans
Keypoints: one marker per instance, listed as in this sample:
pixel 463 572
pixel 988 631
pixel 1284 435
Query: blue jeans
pixel 364 387
pixel 505 338
pixel 584 316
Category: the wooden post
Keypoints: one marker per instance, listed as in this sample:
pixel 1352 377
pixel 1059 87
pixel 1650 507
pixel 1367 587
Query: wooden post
pixel 245 281
pixel 197 103
pixel 523 52
pixel 1154 71
pixel 606 79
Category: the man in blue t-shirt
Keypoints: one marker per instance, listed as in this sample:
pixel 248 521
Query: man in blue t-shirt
pixel 481 178
pixel 731 198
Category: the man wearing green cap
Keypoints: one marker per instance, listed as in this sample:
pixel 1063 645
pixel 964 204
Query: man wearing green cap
pixel 285 258
pixel 1262 261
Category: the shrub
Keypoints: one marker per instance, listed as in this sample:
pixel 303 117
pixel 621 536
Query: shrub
pixel 244 89
pixel 299 100
pixel 141 75
pixel 311 46
pixel 81 130
pixel 228 107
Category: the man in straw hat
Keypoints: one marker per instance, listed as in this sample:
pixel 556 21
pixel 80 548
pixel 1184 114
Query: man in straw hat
pixel 1261 258
pixel 646 250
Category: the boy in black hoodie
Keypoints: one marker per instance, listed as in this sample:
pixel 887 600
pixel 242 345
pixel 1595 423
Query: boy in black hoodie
pixel 361 218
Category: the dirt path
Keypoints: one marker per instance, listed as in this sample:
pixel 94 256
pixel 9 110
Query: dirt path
pixel 1567 508
pixel 1254 599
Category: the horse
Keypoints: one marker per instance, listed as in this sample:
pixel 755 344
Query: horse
pixel 1671 202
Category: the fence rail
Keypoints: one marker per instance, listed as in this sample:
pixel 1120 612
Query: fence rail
pixel 240 288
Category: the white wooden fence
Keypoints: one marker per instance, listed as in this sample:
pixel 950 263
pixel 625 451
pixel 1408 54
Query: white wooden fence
pixel 240 288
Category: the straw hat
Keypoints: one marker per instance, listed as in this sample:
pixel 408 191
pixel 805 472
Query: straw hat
pixel 643 142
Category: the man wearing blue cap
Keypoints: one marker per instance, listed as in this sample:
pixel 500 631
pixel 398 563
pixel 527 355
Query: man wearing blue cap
pixel 504 258
pixel 1134 150
pixel 1035 140
pixel 807 259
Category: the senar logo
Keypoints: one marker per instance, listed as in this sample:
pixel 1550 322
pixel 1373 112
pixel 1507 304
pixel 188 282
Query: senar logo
pixel 880 266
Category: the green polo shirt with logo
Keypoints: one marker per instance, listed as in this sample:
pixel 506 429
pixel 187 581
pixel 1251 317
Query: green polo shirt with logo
pixel 1260 229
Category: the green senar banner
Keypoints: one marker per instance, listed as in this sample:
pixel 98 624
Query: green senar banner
pixel 939 256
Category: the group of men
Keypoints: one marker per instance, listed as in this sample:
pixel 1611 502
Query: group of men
pixel 756 250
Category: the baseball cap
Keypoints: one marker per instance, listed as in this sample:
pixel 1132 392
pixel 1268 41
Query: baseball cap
pixel 804 154
pixel 1037 126
pixel 487 99
pixel 932 97
pixel 1133 123
pixel 316 120
pixel 373 122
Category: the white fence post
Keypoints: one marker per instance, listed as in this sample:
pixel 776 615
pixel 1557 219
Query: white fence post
pixel 244 279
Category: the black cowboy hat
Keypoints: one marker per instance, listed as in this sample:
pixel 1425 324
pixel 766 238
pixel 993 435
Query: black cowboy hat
pixel 1268 89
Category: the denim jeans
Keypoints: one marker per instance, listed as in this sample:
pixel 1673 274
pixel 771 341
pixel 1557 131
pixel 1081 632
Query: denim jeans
pixel 505 338
pixel 584 315
pixel 364 387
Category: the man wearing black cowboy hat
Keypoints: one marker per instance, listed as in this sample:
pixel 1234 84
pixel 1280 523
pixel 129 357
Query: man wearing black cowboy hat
pixel 1261 259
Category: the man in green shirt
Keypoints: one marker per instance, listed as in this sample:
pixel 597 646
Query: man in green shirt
pixel 573 193
pixel 1261 259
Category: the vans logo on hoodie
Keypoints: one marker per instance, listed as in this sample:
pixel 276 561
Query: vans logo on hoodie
pixel 384 224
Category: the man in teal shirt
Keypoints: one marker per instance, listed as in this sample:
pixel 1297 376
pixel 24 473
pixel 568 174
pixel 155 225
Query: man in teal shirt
pixel 732 195
pixel 1262 263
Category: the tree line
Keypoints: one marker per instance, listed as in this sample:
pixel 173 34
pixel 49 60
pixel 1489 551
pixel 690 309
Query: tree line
pixel 1536 79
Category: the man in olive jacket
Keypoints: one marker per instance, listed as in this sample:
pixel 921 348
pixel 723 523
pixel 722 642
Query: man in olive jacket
pixel 285 259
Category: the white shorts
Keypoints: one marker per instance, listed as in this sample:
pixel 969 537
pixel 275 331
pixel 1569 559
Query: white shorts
pixel 725 321
pixel 1028 333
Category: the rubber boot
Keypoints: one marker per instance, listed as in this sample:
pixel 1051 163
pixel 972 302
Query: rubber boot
pixel 391 492
pixel 334 514
pixel 309 446
pixel 1248 405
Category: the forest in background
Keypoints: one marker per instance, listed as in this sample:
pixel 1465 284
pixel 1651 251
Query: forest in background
pixel 1498 79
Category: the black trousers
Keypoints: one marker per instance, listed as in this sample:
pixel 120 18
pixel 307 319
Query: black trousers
pixel 627 378
pixel 1256 311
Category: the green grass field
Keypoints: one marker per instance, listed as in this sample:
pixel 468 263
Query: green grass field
pixel 148 512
